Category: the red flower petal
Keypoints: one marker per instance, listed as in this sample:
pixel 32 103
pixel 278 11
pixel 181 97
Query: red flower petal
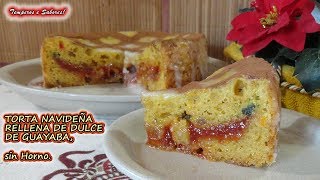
pixel 233 35
pixel 251 33
pixel 297 5
pixel 263 6
pixel 283 4
pixel 294 21
pixel 246 19
pixel 309 25
pixel 282 21
pixel 247 34
pixel 307 21
pixel 246 27
pixel 291 37
pixel 256 45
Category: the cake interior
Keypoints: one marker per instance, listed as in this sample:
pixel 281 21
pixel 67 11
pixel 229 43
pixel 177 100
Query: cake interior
pixel 172 63
pixel 235 122
pixel 155 60
pixel 68 64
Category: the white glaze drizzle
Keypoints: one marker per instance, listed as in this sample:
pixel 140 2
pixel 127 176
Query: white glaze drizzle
pixel 87 42
pixel 177 75
pixel 130 46
pixel 108 50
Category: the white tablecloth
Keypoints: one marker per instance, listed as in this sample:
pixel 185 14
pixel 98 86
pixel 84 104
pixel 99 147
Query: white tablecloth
pixel 84 158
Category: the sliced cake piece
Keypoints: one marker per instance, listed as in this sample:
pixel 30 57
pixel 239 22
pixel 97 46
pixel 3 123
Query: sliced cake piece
pixel 172 62
pixel 156 60
pixel 77 61
pixel 232 116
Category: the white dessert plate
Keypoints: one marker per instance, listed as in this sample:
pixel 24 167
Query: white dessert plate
pixel 298 156
pixel 112 100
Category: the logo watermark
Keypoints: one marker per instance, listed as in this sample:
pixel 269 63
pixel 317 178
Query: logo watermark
pixel 37 12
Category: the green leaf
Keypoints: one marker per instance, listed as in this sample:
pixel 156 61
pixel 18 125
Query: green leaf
pixel 288 53
pixel 312 40
pixel 285 56
pixel 243 10
pixel 277 55
pixel 269 52
pixel 308 69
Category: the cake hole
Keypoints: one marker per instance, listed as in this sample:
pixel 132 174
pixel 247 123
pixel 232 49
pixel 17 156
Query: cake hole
pixel 112 73
pixel 219 150
pixel 238 88
pixel 72 54
pixel 87 79
pixel 199 151
pixel 185 116
pixel 209 113
pixel 56 55
pixel 266 143
pixel 224 100
pixel 88 52
pixel 259 138
pixel 164 115
pixel 132 69
pixel 104 57
pixel 94 63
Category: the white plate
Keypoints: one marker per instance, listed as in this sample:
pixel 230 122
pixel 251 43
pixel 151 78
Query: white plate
pixel 112 100
pixel 298 157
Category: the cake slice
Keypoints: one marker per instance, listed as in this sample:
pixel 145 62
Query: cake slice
pixel 232 116
pixel 74 61
pixel 157 60
pixel 172 62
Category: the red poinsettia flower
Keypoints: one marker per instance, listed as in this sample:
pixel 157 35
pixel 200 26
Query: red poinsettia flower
pixel 283 21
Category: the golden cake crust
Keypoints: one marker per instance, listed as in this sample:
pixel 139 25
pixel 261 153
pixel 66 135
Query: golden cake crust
pixel 253 68
pixel 138 40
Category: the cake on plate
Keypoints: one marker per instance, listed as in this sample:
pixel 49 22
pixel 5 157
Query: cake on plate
pixel 156 60
pixel 231 116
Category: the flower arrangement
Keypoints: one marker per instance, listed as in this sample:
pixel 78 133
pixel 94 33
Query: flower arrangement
pixel 286 33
